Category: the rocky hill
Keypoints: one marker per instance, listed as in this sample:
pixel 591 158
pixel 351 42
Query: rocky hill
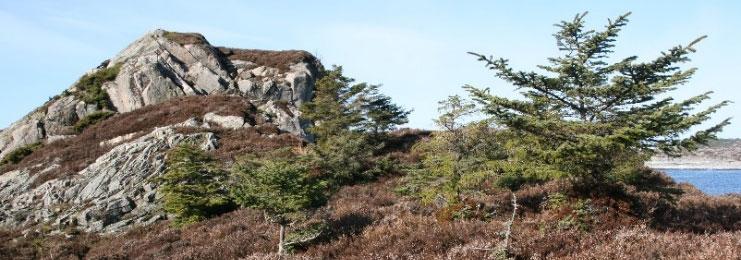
pixel 87 157
pixel 720 154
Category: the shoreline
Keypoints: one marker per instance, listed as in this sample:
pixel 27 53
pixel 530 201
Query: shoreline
pixel 664 165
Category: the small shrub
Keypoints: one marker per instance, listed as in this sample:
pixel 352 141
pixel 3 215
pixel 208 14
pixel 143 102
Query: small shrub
pixel 92 119
pixel 19 153
pixel 281 187
pixel 90 87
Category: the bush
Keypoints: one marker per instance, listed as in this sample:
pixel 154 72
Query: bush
pixel 279 187
pixel 19 153
pixel 90 87
pixel 92 119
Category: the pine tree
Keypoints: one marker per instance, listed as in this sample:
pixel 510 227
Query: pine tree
pixel 192 186
pixel 586 117
pixel 280 188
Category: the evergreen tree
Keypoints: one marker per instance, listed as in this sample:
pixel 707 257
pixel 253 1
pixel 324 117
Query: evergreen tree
pixel 192 186
pixel 453 160
pixel 379 113
pixel 280 188
pixel 334 108
pixel 586 117
pixel 344 114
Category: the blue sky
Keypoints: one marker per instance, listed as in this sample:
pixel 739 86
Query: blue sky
pixel 416 49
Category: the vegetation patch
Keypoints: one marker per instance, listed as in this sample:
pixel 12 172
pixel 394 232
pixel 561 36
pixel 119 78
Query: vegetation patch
pixel 281 60
pixel 19 153
pixel 90 87
pixel 186 38
pixel 92 119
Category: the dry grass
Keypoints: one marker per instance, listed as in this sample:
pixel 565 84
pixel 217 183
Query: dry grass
pixel 282 60
pixel 369 221
pixel 186 38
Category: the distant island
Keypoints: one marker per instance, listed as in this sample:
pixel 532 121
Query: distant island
pixel 721 154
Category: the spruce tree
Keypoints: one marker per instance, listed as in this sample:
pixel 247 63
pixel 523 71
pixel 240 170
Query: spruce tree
pixel 334 108
pixel 586 117
pixel 348 119
pixel 192 185
pixel 281 188
pixel 379 112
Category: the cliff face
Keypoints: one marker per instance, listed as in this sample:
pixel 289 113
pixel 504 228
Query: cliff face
pixel 100 179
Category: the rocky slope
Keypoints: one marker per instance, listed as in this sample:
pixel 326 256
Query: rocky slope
pixel 100 179
pixel 720 154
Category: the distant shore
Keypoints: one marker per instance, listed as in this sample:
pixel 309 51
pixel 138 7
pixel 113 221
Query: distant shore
pixel 695 164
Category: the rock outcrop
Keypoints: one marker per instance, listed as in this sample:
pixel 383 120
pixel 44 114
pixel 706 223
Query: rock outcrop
pixel 115 191
pixel 112 187
pixel 163 65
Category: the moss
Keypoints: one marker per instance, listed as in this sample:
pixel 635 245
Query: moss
pixel 90 87
pixel 19 153
pixel 92 119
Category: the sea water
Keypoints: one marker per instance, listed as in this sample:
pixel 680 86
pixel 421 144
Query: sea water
pixel 713 182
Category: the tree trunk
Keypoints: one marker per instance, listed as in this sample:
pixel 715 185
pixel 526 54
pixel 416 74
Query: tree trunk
pixel 281 238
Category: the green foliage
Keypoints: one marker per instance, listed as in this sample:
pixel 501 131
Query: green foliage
pixel 592 120
pixel 193 186
pixel 19 153
pixel 339 105
pixel 455 162
pixel 90 87
pixel 345 158
pixel 280 187
pixel 91 119
pixel 379 113
pixel 347 119
pixel 334 108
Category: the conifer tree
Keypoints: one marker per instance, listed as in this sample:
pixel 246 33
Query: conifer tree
pixel 346 117
pixel 334 108
pixel 281 188
pixel 379 112
pixel 192 185
pixel 584 116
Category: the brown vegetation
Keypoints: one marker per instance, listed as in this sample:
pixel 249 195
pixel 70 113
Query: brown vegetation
pixel 370 221
pixel 186 38
pixel 76 153
pixel 281 60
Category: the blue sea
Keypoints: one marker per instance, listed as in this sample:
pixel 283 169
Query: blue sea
pixel 713 182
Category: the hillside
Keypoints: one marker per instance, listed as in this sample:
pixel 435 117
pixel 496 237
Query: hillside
pixel 719 154
pixel 87 157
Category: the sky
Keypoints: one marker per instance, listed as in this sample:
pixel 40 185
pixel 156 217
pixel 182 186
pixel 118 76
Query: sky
pixel 415 49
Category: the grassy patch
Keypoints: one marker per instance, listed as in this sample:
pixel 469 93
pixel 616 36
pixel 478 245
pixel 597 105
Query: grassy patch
pixel 19 153
pixel 90 87
pixel 281 60
pixel 186 38
pixel 92 119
